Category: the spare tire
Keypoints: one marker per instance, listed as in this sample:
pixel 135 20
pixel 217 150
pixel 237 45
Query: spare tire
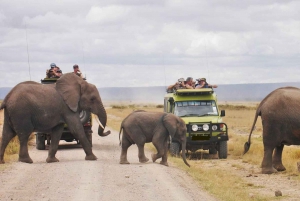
pixel 84 116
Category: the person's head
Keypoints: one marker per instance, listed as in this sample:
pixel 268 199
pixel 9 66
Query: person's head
pixel 189 80
pixel 59 73
pixel 51 72
pixel 201 80
pixel 52 65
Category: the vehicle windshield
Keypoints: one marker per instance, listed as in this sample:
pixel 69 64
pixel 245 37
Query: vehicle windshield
pixel 195 108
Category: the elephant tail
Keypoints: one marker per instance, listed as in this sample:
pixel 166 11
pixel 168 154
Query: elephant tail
pixel 248 143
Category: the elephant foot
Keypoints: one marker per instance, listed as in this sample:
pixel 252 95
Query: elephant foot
pixel 279 167
pixel 124 162
pixel 2 161
pixel 144 160
pixel 154 158
pixel 164 163
pixel 268 170
pixel 91 157
pixel 52 160
pixel 26 160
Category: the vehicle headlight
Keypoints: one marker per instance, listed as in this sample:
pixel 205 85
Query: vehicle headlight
pixel 214 127
pixel 205 127
pixel 194 127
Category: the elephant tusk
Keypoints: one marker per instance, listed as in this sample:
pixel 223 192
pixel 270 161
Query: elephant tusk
pixel 97 119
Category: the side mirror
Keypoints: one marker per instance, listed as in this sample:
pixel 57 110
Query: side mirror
pixel 171 102
pixel 222 113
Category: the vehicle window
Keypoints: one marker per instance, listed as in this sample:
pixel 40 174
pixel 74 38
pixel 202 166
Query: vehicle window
pixel 196 108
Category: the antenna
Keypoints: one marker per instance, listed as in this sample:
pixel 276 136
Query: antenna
pixel 164 71
pixel 83 59
pixel 27 52
pixel 206 60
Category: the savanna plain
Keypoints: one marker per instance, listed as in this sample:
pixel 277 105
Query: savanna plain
pixel 236 178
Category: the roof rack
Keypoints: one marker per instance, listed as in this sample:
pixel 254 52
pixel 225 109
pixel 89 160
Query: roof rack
pixel 193 92
pixel 48 80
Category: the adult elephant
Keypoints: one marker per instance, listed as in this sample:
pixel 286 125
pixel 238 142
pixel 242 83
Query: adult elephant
pixel 280 112
pixel 141 127
pixel 31 106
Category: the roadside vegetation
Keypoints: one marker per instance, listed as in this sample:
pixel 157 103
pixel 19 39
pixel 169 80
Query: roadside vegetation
pixel 212 173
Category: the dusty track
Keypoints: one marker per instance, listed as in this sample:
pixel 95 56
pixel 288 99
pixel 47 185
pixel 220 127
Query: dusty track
pixel 73 178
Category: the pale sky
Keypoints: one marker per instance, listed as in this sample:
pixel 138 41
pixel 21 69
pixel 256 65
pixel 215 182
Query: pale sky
pixel 151 43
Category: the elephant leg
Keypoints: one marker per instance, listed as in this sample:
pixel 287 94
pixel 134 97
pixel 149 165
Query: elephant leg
pixel 277 158
pixel 164 160
pixel 77 130
pixel 267 166
pixel 125 145
pixel 23 153
pixel 269 132
pixel 140 141
pixel 7 135
pixel 142 157
pixel 160 143
pixel 55 137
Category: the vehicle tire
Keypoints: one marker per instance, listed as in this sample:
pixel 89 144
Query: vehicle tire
pixel 40 141
pixel 222 151
pixel 174 148
pixel 212 150
pixel 84 116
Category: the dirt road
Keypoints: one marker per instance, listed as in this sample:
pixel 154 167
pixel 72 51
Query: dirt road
pixel 73 178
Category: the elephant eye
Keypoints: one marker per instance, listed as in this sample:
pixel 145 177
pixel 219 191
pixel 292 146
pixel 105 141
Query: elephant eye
pixel 93 99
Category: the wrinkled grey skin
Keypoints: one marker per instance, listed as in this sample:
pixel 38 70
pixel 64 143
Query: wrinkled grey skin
pixel 141 127
pixel 280 114
pixel 31 106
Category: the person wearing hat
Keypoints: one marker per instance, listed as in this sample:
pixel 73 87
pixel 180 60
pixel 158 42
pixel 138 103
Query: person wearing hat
pixel 180 84
pixel 203 84
pixel 50 72
pixel 77 70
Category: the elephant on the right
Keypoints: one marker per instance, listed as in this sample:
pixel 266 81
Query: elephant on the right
pixel 280 115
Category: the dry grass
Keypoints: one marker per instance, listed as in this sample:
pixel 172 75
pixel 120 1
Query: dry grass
pixel 116 113
pixel 215 178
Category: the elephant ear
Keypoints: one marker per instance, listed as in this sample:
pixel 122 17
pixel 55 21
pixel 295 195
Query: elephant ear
pixel 171 123
pixel 69 88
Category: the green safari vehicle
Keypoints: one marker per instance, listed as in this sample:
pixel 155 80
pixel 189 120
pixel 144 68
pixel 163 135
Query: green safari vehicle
pixel 199 110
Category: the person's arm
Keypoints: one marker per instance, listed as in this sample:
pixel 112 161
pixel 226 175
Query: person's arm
pixel 212 86
pixel 199 86
pixel 188 86
pixel 172 86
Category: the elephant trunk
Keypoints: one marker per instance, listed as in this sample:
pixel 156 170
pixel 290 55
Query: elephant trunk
pixel 183 145
pixel 103 119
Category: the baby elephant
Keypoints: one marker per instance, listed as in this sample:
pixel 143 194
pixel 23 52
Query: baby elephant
pixel 141 127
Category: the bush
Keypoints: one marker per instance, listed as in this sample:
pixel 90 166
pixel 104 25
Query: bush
pixel 160 106
pixel 119 106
